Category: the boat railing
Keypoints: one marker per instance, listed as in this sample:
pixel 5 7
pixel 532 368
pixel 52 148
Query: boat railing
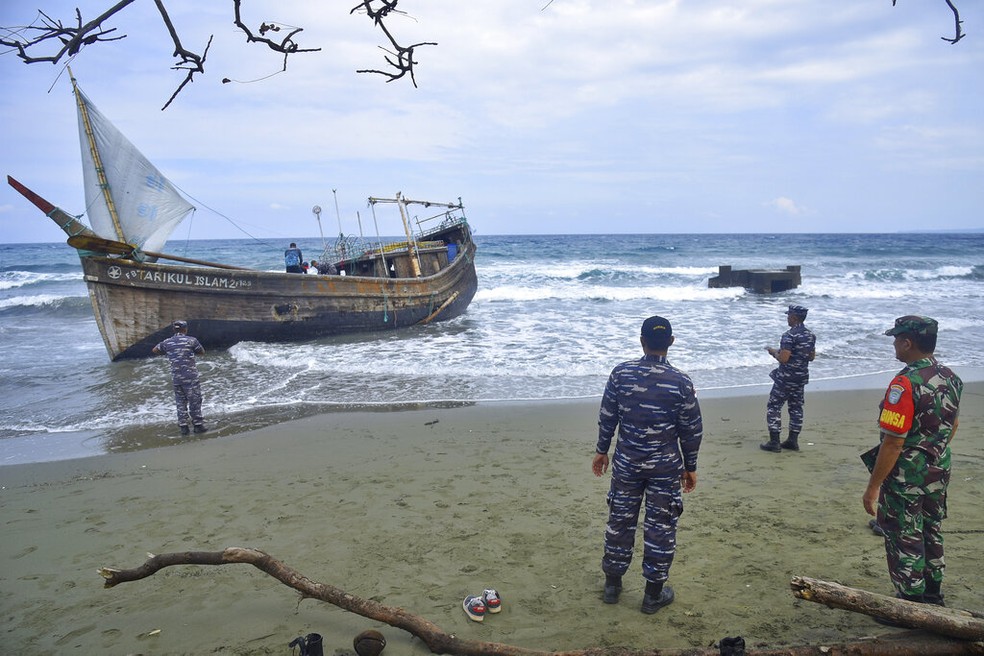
pixel 448 220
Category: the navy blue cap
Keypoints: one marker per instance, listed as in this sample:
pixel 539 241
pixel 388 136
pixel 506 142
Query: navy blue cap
pixel 797 310
pixel 657 331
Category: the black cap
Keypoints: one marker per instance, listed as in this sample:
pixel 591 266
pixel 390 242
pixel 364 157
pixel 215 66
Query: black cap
pixel 656 332
pixel 180 325
pixel 797 311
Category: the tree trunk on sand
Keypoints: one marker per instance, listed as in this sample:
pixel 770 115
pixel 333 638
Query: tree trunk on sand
pixel 950 622
pixel 441 642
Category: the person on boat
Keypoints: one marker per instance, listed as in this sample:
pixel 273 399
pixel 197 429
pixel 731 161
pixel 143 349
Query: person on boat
pixel 181 349
pixel 293 259
pixel 654 407
pixel 797 349
pixel 327 269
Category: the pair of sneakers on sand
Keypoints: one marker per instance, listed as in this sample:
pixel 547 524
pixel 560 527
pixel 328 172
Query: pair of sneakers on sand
pixel 476 606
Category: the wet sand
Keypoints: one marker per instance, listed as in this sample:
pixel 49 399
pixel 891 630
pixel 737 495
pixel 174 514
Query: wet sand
pixel 418 508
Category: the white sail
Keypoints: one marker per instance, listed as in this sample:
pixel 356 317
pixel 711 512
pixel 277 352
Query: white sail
pixel 147 206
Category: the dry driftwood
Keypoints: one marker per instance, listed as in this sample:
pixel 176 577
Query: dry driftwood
pixel 441 642
pixel 954 623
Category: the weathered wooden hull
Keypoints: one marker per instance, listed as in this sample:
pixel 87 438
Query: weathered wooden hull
pixel 135 302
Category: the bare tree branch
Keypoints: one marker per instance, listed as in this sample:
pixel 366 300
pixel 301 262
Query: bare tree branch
pixel 71 39
pixel 402 60
pixel 441 642
pixel 958 32
pixel 287 45
pixel 190 61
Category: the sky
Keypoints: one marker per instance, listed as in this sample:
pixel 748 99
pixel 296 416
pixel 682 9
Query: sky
pixel 562 117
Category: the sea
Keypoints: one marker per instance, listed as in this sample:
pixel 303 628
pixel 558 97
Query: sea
pixel 552 316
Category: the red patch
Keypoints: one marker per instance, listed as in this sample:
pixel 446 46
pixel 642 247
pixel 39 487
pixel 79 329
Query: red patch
pixel 898 407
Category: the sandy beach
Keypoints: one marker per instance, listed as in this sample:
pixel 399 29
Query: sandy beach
pixel 418 508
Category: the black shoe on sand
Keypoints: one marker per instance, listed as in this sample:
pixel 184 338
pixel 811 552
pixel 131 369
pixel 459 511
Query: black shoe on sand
pixel 613 589
pixel 651 604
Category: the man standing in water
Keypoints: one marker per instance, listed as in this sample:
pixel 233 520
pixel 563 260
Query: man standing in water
pixel 655 409
pixel 181 350
pixel 797 349
pixel 911 472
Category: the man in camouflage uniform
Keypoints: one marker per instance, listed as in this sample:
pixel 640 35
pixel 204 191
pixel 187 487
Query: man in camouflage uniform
pixel 180 350
pixel 796 351
pixel 910 475
pixel 659 425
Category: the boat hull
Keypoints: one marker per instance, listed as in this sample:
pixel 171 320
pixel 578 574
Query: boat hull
pixel 136 302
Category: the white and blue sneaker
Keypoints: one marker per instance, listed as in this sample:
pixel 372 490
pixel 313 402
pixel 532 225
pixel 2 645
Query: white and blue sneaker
pixel 493 602
pixel 474 608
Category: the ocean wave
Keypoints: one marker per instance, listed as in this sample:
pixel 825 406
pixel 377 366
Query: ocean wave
pixel 45 304
pixel 599 293
pixel 590 269
pixel 946 272
pixel 18 278
pixel 942 273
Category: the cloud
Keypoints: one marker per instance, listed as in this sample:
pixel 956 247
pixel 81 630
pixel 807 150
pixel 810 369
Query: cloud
pixel 786 206
pixel 614 115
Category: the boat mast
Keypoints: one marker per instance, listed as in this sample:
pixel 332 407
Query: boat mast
pixel 338 217
pixel 96 159
pixel 411 244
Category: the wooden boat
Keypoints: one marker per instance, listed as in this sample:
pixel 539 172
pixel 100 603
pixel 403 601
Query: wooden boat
pixel 135 298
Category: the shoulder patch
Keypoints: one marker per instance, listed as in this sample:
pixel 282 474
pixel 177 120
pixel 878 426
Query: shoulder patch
pixel 898 407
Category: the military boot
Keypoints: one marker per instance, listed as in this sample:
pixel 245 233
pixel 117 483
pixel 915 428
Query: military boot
pixel 792 443
pixel 933 594
pixel 613 588
pixel 657 595
pixel 773 443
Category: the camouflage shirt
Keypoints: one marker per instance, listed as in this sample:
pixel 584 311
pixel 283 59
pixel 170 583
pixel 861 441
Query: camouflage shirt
pixel 655 409
pixel 921 405
pixel 180 350
pixel 800 343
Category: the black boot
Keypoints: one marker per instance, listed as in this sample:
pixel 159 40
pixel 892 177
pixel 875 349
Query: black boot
pixel 310 645
pixel 792 443
pixel 613 588
pixel 657 595
pixel 314 646
pixel 772 444
pixel 933 594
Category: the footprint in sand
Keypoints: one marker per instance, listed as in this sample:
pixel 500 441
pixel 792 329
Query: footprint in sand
pixel 25 552
pixel 68 637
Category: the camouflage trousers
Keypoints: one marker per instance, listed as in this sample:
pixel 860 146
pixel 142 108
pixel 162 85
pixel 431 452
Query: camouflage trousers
pixel 791 394
pixel 911 517
pixel 664 505
pixel 188 400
